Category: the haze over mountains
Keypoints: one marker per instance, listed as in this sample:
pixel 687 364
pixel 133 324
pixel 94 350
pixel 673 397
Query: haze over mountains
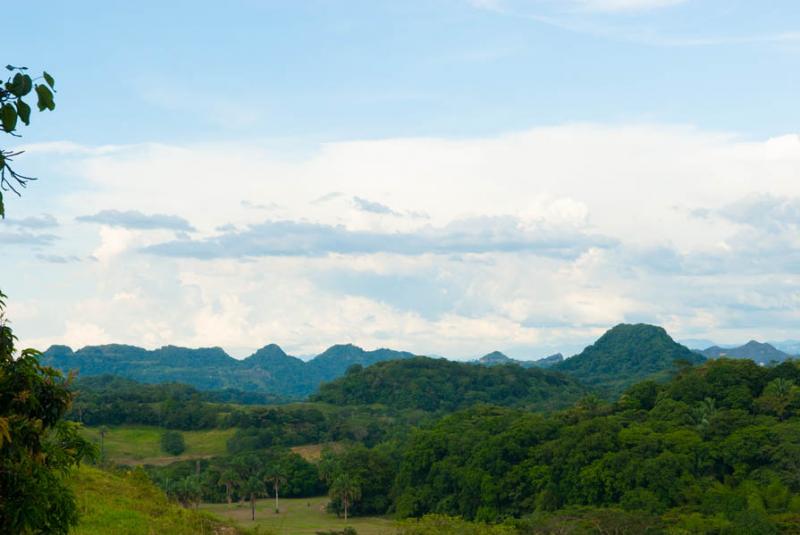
pixel 763 353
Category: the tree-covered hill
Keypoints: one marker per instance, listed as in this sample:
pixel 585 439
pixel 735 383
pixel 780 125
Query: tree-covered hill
pixel 714 450
pixel 442 385
pixel 268 370
pixel 626 354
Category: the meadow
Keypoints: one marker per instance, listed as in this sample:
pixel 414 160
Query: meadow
pixel 300 516
pixel 135 445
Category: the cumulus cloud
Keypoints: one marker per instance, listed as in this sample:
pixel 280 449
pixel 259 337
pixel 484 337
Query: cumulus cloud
pixel 476 235
pixel 547 237
pixel 133 219
pixel 765 211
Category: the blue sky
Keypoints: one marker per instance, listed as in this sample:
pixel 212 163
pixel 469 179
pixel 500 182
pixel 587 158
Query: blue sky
pixel 447 177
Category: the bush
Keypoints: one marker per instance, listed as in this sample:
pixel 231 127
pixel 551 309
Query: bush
pixel 172 442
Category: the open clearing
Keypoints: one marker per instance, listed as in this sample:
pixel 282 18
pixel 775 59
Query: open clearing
pixel 138 445
pixel 300 516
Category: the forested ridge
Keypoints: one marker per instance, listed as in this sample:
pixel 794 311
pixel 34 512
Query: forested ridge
pixel 268 370
pixel 441 385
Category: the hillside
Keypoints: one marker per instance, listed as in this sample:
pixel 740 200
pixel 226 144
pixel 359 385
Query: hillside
pixel 437 384
pixel 130 504
pixel 755 351
pixel 626 354
pixel 269 369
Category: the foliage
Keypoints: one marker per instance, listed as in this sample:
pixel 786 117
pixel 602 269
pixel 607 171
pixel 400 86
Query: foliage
pixel 716 441
pixel 127 503
pixel 14 109
pixel 37 446
pixel 442 385
pixel 172 442
pixel 448 525
pixel 228 477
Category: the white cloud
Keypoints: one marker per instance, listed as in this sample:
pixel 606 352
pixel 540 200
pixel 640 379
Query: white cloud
pixel 637 184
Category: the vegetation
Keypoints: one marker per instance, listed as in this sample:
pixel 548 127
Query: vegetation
pixel 139 445
pixel 172 442
pixel 717 446
pixel 13 110
pixel 37 447
pixel 301 516
pixel 127 503
pixel 441 385
pixel 627 354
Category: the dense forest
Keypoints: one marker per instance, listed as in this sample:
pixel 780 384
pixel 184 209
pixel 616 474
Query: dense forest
pixel 441 385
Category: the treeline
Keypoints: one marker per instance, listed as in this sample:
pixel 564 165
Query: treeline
pixel 439 385
pixel 111 400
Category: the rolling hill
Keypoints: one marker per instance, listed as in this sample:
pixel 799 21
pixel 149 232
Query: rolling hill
pixel 437 384
pixel 625 355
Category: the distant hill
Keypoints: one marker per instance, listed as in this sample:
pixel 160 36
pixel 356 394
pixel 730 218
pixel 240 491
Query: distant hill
pixel 436 384
pixel 497 358
pixel 755 351
pixel 792 347
pixel 625 355
pixel 269 369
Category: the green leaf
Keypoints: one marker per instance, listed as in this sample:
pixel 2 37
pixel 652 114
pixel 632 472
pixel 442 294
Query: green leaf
pixel 20 85
pixel 8 116
pixel 50 80
pixel 10 67
pixel 45 100
pixel 24 112
pixel 2 208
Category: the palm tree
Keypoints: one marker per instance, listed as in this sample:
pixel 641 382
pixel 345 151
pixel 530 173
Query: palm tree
pixel 228 477
pixel 252 487
pixel 347 490
pixel 277 479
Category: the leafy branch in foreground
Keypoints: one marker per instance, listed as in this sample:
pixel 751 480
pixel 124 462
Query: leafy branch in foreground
pixel 13 110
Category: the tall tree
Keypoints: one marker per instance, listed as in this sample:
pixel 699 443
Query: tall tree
pixel 276 476
pixel 347 489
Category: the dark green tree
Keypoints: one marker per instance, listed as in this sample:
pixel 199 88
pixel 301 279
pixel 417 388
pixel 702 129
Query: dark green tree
pixel 172 442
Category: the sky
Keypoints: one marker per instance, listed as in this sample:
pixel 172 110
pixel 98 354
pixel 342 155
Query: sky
pixel 449 177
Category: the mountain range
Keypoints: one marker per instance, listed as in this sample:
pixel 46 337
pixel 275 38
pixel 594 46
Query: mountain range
pixel 269 369
pixel 623 355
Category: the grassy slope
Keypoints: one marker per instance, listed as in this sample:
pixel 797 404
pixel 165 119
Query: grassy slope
pixel 135 445
pixel 301 516
pixel 129 504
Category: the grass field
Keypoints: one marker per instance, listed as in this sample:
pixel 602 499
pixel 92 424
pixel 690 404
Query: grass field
pixel 129 504
pixel 302 516
pixel 137 445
